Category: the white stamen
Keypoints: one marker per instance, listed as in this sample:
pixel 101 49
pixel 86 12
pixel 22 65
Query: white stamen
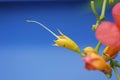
pixel 54 45
pixel 43 27
pixel 60 32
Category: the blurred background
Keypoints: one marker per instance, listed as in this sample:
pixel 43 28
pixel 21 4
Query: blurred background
pixel 26 51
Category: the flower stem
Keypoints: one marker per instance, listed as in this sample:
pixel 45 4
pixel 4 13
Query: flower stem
pixel 94 27
pixel 115 69
pixel 94 10
pixel 81 54
pixel 118 65
pixel 98 46
pixel 116 72
pixel 102 16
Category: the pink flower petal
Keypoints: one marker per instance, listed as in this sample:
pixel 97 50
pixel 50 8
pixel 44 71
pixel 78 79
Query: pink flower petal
pixel 109 34
pixel 88 59
pixel 116 14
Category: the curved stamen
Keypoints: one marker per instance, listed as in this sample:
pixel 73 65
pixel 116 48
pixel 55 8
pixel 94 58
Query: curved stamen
pixel 60 32
pixel 44 27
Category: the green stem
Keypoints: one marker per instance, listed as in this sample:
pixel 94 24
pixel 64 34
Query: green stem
pixel 102 16
pixel 118 65
pixel 115 69
pixel 94 10
pixel 94 27
pixel 98 46
pixel 116 72
pixel 81 54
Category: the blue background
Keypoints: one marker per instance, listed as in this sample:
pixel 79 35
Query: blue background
pixel 26 51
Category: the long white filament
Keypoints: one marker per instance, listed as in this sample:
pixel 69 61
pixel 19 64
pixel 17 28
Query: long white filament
pixel 43 27
pixel 60 32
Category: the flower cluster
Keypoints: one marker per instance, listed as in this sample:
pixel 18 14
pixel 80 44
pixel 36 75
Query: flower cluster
pixel 95 62
pixel 108 33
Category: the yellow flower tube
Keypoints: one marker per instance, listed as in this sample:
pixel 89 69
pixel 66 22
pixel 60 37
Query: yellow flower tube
pixel 110 52
pixel 90 49
pixel 66 42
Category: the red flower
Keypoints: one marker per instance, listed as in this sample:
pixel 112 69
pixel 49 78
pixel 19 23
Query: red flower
pixel 109 33
pixel 116 14
pixel 96 62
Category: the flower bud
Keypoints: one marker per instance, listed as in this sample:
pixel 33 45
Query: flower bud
pixel 110 52
pixel 89 50
pixel 66 42
pixel 96 62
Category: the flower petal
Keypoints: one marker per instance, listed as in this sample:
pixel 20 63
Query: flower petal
pixel 110 52
pixel 66 42
pixel 108 34
pixel 96 62
pixel 89 50
pixel 116 14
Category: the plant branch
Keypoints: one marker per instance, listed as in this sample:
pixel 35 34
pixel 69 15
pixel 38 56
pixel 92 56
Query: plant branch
pixel 102 16
pixel 81 54
pixel 115 69
pixel 98 46
pixel 94 10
